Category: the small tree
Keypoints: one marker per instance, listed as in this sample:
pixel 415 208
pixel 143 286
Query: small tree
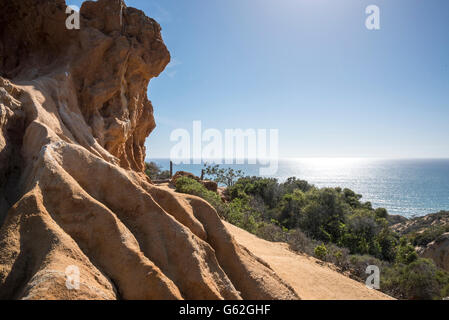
pixel 227 177
pixel 155 172
pixel 406 254
pixel 321 252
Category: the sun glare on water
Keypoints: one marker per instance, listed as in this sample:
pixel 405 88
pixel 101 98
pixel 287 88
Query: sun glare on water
pixel 330 163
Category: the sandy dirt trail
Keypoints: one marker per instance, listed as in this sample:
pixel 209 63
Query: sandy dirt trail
pixel 310 279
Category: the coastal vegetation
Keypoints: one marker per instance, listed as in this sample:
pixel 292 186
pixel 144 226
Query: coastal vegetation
pixel 155 172
pixel 331 224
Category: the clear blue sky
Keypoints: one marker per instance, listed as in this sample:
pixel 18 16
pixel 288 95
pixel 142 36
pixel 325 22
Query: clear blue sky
pixel 309 68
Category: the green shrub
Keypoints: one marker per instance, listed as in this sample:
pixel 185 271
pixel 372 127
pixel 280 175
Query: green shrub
pixel 406 253
pixel 272 232
pixel 428 235
pixel 338 256
pixel 388 243
pixel 293 184
pixel 420 280
pixel 381 213
pixel 352 198
pixel 321 252
pixel 155 172
pixel 290 208
pixel 193 187
pixel 333 225
pixel 358 264
pixel 299 241
pixel 323 215
pixel 242 215
pixel 445 291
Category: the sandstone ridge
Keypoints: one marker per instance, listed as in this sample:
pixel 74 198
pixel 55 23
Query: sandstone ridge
pixel 74 116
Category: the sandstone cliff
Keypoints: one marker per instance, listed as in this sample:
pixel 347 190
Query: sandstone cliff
pixel 438 251
pixel 74 116
pixel 432 231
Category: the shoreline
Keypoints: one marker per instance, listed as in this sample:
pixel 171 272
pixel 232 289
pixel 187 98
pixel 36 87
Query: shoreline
pixel 404 187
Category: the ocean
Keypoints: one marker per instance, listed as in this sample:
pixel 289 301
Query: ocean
pixel 407 187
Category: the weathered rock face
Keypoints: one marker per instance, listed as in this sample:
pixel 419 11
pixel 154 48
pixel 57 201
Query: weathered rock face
pixel 107 64
pixel 420 224
pixel 73 119
pixel 438 251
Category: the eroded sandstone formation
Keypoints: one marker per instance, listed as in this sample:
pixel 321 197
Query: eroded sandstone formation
pixel 74 116
pixel 438 251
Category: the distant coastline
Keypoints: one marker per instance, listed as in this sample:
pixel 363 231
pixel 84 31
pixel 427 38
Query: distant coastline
pixel 407 187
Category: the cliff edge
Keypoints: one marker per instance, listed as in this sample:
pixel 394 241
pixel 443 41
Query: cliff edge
pixel 74 116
